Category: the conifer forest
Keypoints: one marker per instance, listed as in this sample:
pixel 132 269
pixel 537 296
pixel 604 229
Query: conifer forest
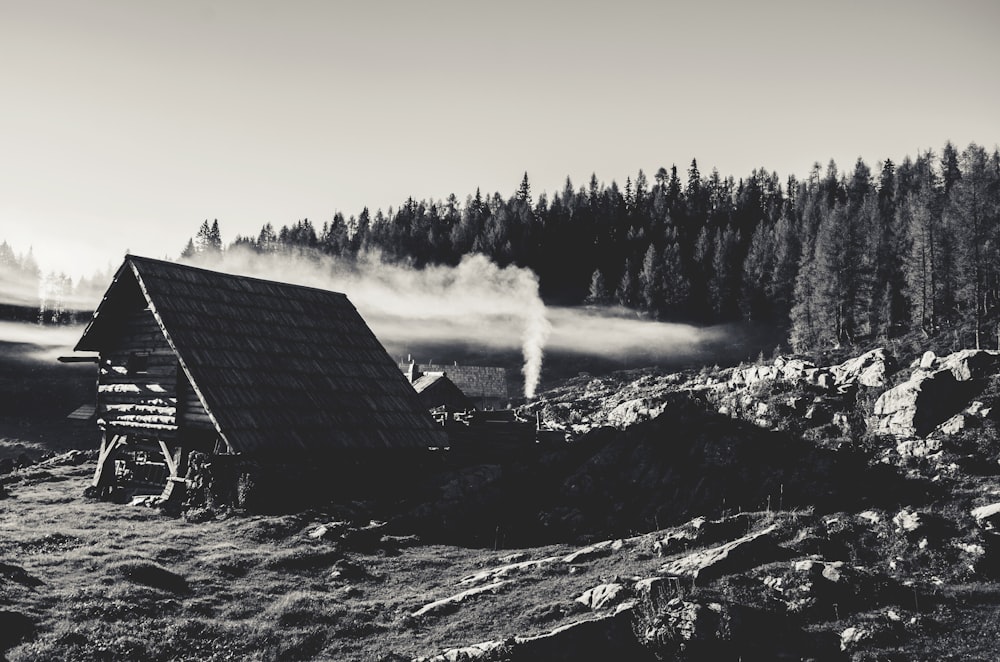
pixel 838 258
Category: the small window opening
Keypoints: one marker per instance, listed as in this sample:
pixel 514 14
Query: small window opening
pixel 138 363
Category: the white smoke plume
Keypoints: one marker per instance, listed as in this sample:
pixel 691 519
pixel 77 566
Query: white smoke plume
pixel 536 333
pixel 473 303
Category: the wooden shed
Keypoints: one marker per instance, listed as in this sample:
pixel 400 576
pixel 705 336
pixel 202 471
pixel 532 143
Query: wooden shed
pixel 485 386
pixel 230 366
pixel 437 391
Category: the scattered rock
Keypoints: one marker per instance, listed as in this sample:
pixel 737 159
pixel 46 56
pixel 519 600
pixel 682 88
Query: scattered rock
pixel 602 596
pixel 818 414
pixel 794 369
pixel 969 364
pixel 918 448
pixel 870 516
pixel 452 600
pixel 987 517
pixel 635 411
pixel 907 520
pixel 749 377
pixel 852 636
pixel 928 360
pixel 740 554
pixel 930 397
pixel 953 425
pixel 608 636
pixel 400 542
pixel 493 574
pixel 594 551
pixel 330 531
pixel 347 570
pixel 869 369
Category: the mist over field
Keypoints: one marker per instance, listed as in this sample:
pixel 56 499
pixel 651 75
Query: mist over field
pixel 41 343
pixel 474 311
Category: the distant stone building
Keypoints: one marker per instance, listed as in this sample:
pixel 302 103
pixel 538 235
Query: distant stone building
pixel 485 387
pixel 436 391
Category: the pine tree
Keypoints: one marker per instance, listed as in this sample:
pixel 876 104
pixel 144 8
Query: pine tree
pixel 598 293
pixel 629 293
pixel 267 240
pixel 972 211
pixel 919 266
pixel 524 191
pixel 676 288
pixel 208 241
pixel 758 271
pixel 651 281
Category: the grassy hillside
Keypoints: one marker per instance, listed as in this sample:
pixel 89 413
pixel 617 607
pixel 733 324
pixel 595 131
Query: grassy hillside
pixel 724 522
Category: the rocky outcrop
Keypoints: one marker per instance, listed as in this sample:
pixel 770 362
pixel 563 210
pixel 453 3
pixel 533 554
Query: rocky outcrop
pixel 703 629
pixel 601 596
pixel 746 552
pixel 969 364
pixel 635 411
pixel 869 369
pixel 452 600
pixel 988 517
pixel 605 637
pixel 931 396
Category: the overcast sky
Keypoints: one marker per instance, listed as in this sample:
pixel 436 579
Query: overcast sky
pixel 124 125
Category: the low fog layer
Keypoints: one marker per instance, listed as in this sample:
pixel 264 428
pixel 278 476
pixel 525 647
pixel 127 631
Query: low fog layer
pixel 474 307
pixel 47 342
pixel 621 334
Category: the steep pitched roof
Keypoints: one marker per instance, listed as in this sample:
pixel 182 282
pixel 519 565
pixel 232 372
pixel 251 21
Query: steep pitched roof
pixel 423 382
pixel 278 367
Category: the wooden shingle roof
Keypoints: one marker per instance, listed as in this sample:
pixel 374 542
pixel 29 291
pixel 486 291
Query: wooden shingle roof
pixel 278 367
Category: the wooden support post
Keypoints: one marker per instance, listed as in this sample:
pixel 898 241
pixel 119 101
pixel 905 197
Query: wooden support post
pixel 107 447
pixel 176 483
pixel 171 462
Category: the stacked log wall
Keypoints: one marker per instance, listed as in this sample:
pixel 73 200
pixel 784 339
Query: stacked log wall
pixel 144 402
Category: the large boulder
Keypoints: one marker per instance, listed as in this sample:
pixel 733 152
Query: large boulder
pixel 604 595
pixel 971 364
pixel 794 370
pixel 635 411
pixel 740 554
pixel 930 397
pixel 748 377
pixel 869 369
pixel 916 406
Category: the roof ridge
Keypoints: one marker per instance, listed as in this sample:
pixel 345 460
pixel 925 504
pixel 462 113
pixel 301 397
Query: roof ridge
pixel 129 257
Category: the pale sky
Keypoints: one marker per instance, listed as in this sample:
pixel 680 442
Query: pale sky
pixel 124 125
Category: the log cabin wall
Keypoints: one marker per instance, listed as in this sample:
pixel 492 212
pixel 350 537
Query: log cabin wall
pixel 137 381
